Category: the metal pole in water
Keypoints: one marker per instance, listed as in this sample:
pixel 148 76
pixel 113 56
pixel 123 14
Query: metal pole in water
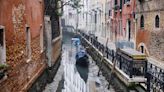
pixel 102 58
pixel 112 72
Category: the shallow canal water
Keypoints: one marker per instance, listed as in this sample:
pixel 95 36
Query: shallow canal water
pixel 94 83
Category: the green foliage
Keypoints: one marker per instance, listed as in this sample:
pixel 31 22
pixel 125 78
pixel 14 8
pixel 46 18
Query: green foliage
pixel 3 66
pixel 75 4
pixel 59 14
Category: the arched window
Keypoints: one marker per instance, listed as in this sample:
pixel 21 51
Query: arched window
pixel 157 21
pixel 142 22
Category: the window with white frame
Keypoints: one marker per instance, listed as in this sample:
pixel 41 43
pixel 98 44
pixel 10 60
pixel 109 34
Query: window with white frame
pixel 28 44
pixel 2 46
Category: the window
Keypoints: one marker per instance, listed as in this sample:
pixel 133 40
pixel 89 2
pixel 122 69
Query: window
pixel 157 21
pixel 142 22
pixel 55 27
pixel 41 38
pixel 109 12
pixel 1 37
pixel 115 3
pixel 83 15
pixel 70 15
pixel 129 30
pixel 95 17
pixel 120 4
pixel 2 46
pixel 28 44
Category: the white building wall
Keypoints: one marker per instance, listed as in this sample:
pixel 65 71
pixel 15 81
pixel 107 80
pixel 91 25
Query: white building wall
pixel 69 20
pixel 87 17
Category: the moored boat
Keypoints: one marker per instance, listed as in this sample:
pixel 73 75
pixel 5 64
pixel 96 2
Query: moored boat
pixel 82 58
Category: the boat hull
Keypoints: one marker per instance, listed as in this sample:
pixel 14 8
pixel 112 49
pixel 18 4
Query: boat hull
pixel 83 61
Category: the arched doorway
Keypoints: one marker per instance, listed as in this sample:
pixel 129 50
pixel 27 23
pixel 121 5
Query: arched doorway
pixel 143 49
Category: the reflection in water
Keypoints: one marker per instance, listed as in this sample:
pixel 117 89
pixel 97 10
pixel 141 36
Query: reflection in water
pixel 83 71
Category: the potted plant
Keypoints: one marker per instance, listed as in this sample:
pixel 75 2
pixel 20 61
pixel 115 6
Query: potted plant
pixel 3 69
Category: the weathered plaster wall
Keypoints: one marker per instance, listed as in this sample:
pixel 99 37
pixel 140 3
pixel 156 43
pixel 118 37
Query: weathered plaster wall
pixel 56 49
pixel 127 14
pixel 14 15
pixel 120 18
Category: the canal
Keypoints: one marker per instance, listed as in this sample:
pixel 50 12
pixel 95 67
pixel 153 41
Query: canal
pixel 94 83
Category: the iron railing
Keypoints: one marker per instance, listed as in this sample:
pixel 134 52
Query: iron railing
pixel 155 77
pixel 154 74
pixel 126 65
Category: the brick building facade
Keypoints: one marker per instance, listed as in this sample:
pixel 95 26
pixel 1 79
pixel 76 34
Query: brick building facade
pixel 138 22
pixel 150 32
pixel 24 43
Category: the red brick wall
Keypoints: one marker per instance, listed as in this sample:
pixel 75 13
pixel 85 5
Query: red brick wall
pixel 143 36
pixel 14 15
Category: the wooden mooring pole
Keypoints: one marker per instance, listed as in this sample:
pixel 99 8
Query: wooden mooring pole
pixel 103 56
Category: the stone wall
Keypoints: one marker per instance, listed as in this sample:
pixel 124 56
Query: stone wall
pixel 22 74
pixel 45 77
pixel 156 45
pixel 150 37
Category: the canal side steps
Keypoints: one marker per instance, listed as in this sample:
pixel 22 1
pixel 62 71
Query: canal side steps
pixel 129 82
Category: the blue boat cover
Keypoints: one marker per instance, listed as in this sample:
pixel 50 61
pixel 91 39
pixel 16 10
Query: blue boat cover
pixel 81 54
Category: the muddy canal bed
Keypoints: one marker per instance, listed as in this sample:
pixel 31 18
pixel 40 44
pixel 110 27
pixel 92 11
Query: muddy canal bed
pixel 94 83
